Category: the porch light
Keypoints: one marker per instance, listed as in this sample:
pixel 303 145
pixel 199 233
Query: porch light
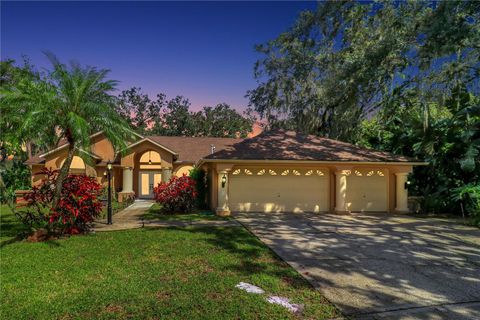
pixel 149 158
pixel 224 180
pixel 109 196
pixel 407 183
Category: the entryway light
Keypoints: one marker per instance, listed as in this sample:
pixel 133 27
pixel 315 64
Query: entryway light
pixel 149 158
pixel 407 183
pixel 224 180
pixel 109 195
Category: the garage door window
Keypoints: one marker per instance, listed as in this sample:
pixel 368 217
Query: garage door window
pixel 280 172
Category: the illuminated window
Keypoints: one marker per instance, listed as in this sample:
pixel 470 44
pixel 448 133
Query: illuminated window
pixel 77 166
pixel 150 160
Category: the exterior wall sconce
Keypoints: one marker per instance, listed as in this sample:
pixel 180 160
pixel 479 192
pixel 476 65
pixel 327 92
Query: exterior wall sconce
pixel 407 183
pixel 149 157
pixel 224 180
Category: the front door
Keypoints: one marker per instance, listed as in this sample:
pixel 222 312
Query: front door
pixel 147 180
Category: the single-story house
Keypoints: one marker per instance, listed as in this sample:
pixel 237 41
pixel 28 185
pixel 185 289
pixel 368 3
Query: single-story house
pixel 276 171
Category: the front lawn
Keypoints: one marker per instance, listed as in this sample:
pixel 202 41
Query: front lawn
pixel 10 226
pixel 155 213
pixel 183 273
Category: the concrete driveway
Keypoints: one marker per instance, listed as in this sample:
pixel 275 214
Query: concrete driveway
pixel 380 266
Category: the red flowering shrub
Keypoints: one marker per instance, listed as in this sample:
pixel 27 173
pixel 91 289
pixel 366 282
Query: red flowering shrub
pixel 176 195
pixel 79 203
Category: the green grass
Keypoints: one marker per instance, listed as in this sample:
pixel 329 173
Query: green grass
pixel 154 213
pixel 116 207
pixel 175 273
pixel 10 226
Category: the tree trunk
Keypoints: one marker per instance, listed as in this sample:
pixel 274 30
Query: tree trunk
pixel 63 174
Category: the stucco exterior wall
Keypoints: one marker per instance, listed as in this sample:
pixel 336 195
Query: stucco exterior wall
pixel 36 179
pixel 103 148
pixel 132 157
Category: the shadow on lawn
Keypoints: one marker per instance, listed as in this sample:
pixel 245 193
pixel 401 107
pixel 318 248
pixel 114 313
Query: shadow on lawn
pixel 11 228
pixel 254 256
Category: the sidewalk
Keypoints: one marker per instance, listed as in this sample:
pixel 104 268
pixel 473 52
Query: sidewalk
pixel 131 218
pixel 128 218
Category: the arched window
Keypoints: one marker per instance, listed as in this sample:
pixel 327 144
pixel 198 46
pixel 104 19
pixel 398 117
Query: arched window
pixel 77 166
pixel 150 160
pixel 183 170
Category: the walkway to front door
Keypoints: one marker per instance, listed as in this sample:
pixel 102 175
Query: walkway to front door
pixel 132 218
pixel 147 180
pixel 128 218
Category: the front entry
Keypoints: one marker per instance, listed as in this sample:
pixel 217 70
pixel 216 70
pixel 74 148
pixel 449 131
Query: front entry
pixel 147 180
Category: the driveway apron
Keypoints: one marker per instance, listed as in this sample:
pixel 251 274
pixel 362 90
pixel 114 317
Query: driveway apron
pixel 380 266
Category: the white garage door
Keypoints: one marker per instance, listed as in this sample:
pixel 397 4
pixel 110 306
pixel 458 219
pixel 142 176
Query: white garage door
pixel 367 191
pixel 278 190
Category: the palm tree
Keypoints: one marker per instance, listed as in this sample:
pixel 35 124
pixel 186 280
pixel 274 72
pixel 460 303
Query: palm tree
pixel 68 102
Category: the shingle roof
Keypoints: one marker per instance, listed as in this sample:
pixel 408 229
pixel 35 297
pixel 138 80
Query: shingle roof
pixel 189 149
pixel 192 149
pixel 35 160
pixel 289 145
pixel 269 145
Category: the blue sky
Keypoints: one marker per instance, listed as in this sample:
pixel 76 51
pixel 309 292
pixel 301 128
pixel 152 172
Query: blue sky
pixel 202 50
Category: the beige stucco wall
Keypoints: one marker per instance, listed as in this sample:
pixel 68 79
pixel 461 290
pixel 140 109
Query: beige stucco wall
pixel 132 155
pixel 36 179
pixel 131 159
pixel 103 148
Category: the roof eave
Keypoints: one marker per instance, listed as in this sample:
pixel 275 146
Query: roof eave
pixel 411 163
pixel 151 141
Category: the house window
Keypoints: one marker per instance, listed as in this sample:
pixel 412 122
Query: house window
pixel 77 166
pixel 150 160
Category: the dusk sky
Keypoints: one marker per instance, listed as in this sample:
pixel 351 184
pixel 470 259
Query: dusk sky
pixel 201 50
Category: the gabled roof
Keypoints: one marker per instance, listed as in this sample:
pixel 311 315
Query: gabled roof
pixel 192 149
pixel 290 145
pixel 185 149
pixel 63 143
pixel 147 139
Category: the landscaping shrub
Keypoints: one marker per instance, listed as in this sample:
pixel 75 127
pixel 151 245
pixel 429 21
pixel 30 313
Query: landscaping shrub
pixel 469 198
pixel 14 175
pixel 201 187
pixel 79 204
pixel 178 195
